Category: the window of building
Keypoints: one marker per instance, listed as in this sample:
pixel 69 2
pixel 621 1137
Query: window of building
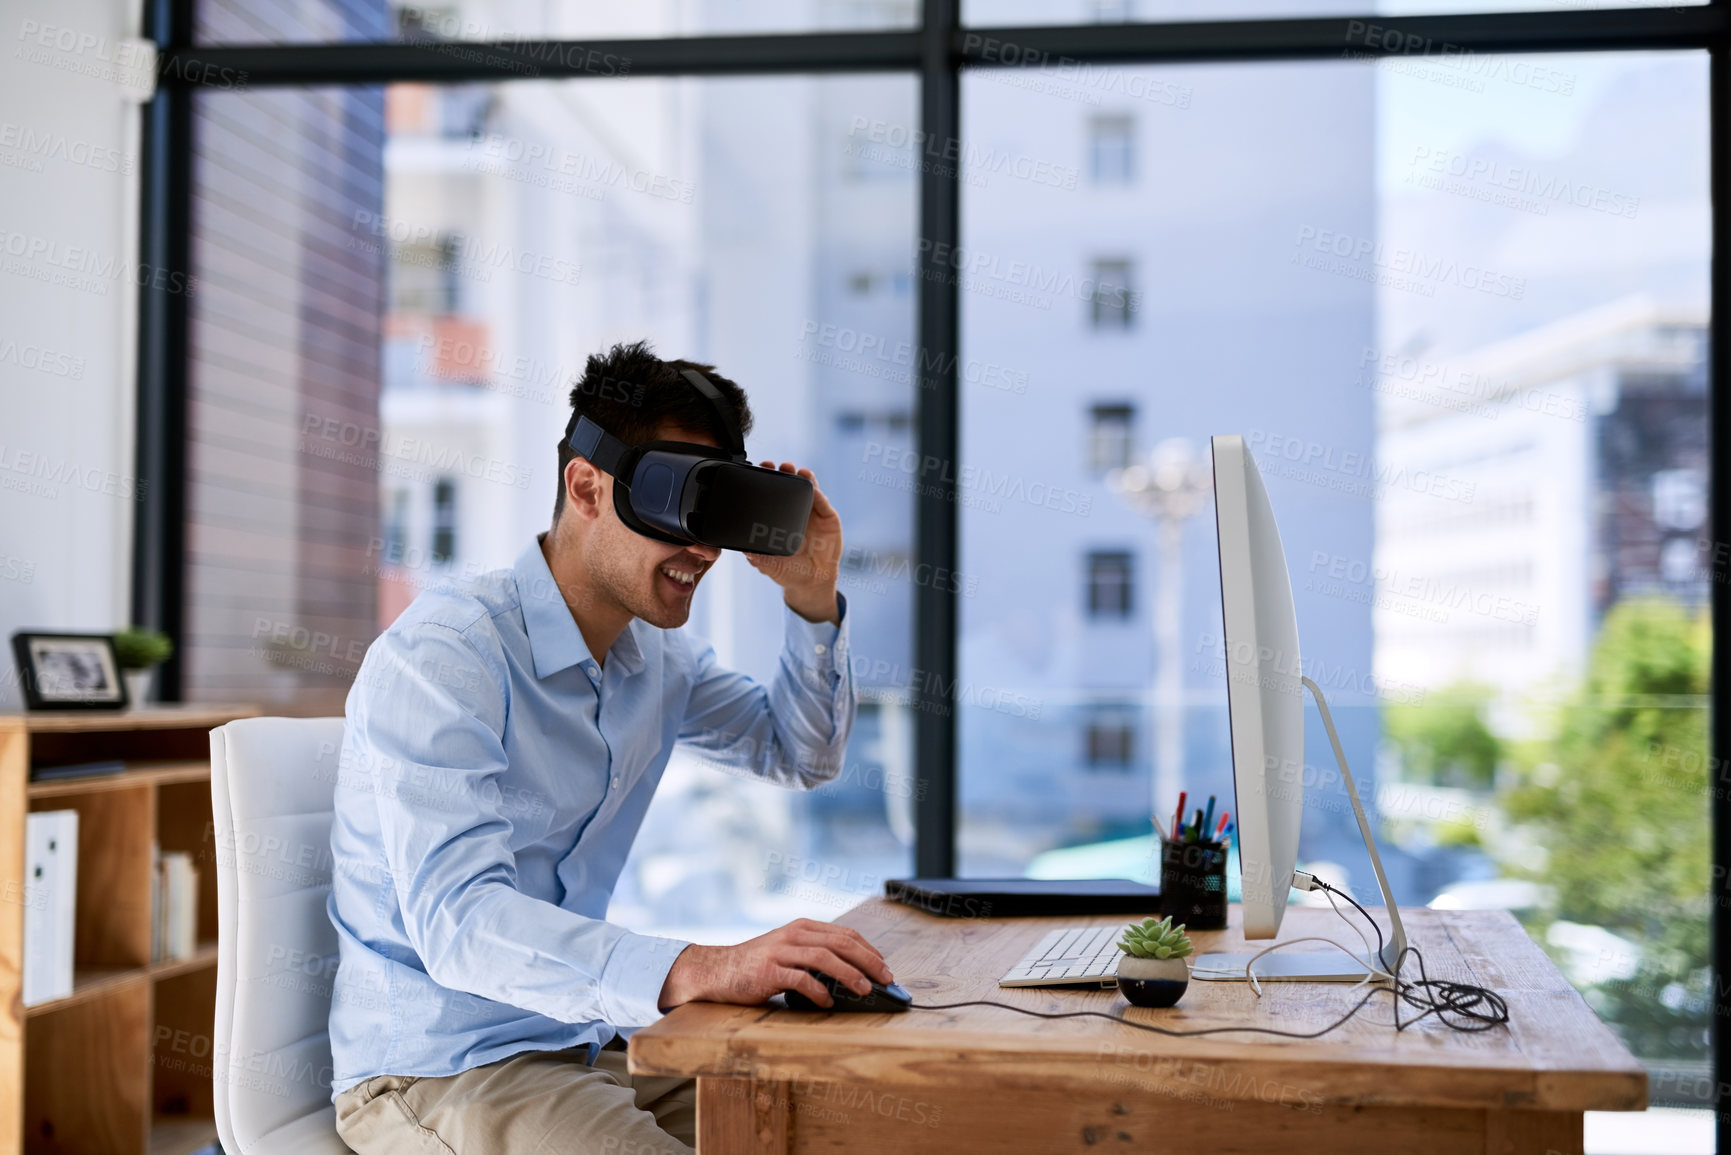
pixel 1109 738
pixel 423 276
pixel 1112 149
pixel 444 520
pixel 397 527
pixel 1112 294
pixel 1111 436
pixel 854 421
pixel 1111 575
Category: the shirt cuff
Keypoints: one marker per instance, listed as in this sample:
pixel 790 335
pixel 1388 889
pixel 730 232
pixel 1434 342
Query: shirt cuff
pixel 631 981
pixel 818 643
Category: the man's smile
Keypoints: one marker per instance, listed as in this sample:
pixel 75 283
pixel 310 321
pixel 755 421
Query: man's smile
pixel 683 574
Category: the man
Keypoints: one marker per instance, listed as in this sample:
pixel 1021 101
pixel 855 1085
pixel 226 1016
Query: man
pixel 503 740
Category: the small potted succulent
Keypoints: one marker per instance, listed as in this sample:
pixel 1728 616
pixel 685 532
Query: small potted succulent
pixel 1152 972
pixel 139 653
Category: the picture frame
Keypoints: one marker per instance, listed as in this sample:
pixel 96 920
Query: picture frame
pixel 69 671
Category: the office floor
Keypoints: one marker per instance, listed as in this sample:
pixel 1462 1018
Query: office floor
pixel 1655 1131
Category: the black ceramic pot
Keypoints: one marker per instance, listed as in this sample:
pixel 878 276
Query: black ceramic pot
pixel 1152 982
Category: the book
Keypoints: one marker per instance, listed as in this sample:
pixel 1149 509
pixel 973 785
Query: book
pixel 74 770
pixel 179 905
pixel 50 904
pixel 155 902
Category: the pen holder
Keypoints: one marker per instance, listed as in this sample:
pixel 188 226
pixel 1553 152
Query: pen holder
pixel 1193 884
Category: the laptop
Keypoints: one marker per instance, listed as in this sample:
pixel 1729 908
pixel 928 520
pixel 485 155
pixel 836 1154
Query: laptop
pixel 1066 956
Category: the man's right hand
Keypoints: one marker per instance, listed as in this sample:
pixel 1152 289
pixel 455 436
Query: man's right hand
pixel 753 971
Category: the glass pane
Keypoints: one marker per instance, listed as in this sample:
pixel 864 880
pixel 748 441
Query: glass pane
pixel 1444 60
pixel 1465 339
pixel 248 22
pixel 397 290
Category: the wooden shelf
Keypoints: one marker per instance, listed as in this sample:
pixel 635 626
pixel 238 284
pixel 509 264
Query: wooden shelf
pixel 90 983
pixel 180 1134
pixel 121 1066
pixel 200 959
pixel 199 716
pixel 135 774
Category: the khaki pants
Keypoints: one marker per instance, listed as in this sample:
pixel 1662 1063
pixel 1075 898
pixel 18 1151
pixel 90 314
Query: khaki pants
pixel 537 1103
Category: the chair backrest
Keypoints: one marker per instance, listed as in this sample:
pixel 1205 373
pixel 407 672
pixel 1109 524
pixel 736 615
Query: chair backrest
pixel 272 781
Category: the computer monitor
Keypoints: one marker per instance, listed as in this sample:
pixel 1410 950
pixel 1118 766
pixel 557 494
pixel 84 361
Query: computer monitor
pixel 1265 686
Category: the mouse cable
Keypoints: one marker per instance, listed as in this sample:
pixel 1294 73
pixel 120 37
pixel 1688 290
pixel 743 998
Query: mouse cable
pixel 1119 1019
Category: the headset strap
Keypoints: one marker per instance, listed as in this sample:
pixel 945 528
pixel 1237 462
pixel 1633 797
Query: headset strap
pixel 605 451
pixel 735 443
pixel 599 447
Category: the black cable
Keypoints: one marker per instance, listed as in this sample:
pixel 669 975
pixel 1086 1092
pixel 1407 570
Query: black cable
pixel 1149 1027
pixel 1443 998
pixel 1474 1008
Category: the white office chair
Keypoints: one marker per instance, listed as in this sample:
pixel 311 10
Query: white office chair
pixel 272 781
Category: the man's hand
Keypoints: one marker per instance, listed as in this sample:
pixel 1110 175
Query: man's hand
pixel 751 972
pixel 807 578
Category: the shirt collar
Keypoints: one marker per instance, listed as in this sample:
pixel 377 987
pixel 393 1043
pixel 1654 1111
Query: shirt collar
pixel 555 642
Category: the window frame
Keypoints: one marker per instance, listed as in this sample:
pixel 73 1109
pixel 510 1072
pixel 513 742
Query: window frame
pixel 937 50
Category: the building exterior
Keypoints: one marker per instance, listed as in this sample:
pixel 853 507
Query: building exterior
pixel 1581 447
pixel 283 383
pixel 1161 300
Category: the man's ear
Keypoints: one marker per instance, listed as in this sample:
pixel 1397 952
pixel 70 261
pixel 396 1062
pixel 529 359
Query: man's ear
pixel 586 489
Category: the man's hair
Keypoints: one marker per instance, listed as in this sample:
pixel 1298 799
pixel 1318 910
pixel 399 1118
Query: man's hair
pixel 634 395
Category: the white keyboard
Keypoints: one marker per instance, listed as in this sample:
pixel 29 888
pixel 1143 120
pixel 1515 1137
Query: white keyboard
pixel 1070 954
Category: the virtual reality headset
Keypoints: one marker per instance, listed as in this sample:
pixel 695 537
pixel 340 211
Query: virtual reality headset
pixel 683 493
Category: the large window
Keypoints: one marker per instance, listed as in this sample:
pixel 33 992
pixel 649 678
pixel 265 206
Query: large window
pixel 556 219
pixel 1464 335
pixel 1456 300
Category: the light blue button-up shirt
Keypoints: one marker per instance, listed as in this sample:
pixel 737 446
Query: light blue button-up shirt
pixel 492 778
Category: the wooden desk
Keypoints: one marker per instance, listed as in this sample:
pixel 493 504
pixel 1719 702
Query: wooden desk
pixel 987 1079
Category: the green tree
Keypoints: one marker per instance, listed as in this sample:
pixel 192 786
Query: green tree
pixel 1445 741
pixel 1617 799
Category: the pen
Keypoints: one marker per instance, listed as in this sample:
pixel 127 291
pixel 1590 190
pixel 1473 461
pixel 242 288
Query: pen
pixel 1158 829
pixel 1220 831
pixel 1196 836
pixel 1208 818
pixel 1178 818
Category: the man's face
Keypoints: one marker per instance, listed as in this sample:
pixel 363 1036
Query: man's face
pixel 653 580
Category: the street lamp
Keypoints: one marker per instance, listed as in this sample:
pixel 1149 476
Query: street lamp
pixel 1169 488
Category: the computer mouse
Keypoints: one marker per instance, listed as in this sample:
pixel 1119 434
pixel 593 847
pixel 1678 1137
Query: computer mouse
pixel 891 999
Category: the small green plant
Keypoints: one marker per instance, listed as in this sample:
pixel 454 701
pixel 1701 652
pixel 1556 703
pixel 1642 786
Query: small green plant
pixel 142 649
pixel 1150 939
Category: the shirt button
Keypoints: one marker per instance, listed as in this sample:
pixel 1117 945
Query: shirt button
pixel 594 670
pixel 821 648
pixel 616 782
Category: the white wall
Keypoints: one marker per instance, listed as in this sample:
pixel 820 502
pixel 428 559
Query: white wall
pixel 69 161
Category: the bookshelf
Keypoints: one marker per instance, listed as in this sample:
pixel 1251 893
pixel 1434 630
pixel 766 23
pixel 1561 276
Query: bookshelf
pixel 122 1065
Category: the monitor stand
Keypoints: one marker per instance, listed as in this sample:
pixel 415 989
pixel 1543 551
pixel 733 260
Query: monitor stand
pixel 1330 966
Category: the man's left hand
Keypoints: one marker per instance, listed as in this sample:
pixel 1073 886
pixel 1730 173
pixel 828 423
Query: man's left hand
pixel 808 578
